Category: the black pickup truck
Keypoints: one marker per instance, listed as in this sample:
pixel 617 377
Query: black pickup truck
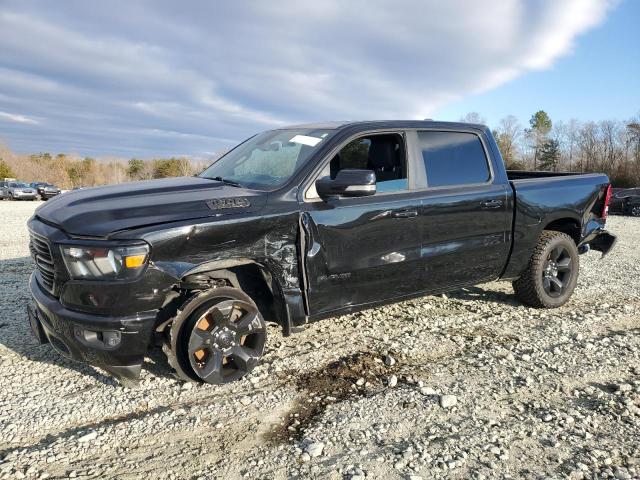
pixel 294 225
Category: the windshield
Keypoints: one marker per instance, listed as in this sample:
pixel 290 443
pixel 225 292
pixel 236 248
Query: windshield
pixel 18 185
pixel 268 160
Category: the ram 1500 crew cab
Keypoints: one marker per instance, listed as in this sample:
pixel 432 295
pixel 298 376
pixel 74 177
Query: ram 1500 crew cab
pixel 294 225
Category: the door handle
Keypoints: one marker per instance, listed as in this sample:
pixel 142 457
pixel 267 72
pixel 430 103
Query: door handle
pixel 491 204
pixel 405 214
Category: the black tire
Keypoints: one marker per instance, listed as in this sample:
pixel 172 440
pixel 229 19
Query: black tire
pixel 230 344
pixel 635 211
pixel 552 273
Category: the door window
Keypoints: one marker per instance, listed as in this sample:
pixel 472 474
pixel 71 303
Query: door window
pixel 384 154
pixel 453 158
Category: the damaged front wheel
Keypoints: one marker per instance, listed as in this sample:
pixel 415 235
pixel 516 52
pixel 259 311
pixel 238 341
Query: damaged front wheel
pixel 219 338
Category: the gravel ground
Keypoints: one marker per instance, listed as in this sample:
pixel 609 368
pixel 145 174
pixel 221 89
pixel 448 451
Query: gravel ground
pixel 468 385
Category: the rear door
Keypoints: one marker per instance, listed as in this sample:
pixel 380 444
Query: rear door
pixel 465 213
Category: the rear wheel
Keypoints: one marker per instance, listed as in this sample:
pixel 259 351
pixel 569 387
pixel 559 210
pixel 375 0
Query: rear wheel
pixel 552 273
pixel 221 339
pixel 635 211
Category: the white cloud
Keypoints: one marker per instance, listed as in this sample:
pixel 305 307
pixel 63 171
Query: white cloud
pixel 116 75
pixel 18 118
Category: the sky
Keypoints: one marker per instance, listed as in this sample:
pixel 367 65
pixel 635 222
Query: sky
pixel 163 78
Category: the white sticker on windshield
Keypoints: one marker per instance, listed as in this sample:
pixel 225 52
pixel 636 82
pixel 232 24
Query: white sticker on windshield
pixel 303 139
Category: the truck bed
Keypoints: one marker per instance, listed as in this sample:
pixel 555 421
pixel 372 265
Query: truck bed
pixel 527 174
pixel 544 199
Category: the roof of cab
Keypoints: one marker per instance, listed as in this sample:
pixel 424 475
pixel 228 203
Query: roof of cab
pixel 366 124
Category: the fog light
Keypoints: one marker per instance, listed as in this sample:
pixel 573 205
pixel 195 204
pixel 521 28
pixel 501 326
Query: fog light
pixel 102 340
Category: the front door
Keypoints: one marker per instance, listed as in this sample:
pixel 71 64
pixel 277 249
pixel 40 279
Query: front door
pixel 367 249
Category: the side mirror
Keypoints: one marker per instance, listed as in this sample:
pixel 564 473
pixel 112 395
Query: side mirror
pixel 348 183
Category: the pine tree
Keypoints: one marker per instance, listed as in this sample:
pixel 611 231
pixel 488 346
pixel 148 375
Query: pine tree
pixel 549 155
pixel 136 166
pixel 5 170
pixel 540 128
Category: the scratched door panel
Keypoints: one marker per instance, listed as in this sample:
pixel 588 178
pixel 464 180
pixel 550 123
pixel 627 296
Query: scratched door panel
pixel 362 251
pixel 465 235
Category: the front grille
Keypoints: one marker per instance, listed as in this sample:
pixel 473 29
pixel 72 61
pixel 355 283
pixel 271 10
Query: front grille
pixel 41 254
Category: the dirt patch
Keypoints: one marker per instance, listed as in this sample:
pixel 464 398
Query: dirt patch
pixel 357 375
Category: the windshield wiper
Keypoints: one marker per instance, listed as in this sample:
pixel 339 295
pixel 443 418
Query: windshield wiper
pixel 226 181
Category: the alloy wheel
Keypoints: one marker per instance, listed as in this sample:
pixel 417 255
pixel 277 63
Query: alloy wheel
pixel 226 341
pixel 556 272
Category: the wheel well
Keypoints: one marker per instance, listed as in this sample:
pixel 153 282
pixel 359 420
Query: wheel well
pixel 566 225
pixel 252 279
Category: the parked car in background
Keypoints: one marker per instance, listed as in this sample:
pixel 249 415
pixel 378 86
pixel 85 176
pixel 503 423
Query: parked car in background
pixel 18 191
pixel 45 190
pixel 4 186
pixel 626 201
pixel 615 204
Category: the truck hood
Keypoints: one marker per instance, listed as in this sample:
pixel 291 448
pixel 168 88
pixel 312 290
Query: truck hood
pixel 100 211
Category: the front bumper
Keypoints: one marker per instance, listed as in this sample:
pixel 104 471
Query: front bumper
pixel 24 196
pixel 116 344
pixel 46 194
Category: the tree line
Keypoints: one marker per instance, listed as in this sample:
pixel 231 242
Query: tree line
pixel 72 171
pixel 609 146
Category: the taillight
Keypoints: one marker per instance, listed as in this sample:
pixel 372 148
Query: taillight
pixel 607 199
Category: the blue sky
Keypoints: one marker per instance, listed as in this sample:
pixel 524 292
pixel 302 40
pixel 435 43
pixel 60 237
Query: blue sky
pixel 159 77
pixel 598 80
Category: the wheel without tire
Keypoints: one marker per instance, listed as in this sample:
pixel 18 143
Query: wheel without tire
pixel 221 339
pixel 552 273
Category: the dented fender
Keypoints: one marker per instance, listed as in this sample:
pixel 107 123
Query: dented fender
pixel 271 242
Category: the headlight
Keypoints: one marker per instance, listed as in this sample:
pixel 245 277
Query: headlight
pixel 105 263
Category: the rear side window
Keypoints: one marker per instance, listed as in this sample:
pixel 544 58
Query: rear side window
pixel 453 158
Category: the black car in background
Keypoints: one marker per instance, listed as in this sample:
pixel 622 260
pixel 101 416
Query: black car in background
pixel 626 201
pixel 45 190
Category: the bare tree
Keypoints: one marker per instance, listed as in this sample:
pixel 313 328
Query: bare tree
pixel 473 117
pixel 571 133
pixel 508 135
pixel 612 149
